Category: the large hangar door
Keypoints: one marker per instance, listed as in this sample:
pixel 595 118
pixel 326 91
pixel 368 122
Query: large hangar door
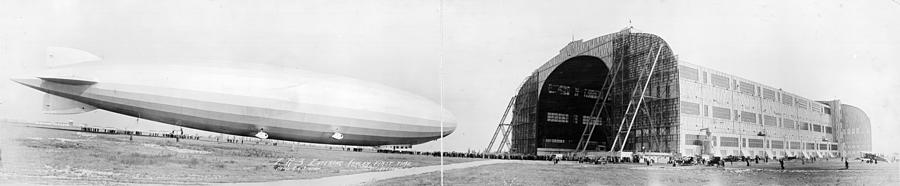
pixel 566 100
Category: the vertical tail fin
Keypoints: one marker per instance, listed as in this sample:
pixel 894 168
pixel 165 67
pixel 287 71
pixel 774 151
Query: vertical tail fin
pixel 60 56
pixel 59 105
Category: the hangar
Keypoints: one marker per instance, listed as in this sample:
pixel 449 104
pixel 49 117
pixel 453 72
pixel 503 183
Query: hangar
pixel 628 92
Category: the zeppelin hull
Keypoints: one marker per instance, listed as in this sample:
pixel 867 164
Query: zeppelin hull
pixel 284 118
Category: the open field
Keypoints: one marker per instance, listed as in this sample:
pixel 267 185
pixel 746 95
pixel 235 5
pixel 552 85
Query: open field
pixel 45 156
pixel 570 173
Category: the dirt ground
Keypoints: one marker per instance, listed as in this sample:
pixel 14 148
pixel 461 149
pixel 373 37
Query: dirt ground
pixel 45 156
pixel 821 172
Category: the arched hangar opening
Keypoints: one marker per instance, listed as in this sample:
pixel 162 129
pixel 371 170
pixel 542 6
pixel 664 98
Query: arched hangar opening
pixel 566 101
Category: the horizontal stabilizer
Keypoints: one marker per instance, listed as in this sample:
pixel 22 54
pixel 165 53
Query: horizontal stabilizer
pixel 69 80
pixel 60 105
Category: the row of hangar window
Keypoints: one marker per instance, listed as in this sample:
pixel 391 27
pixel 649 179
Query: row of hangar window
pixel 724 82
pixel 691 139
pixel 575 119
pixel 567 90
pixel 750 117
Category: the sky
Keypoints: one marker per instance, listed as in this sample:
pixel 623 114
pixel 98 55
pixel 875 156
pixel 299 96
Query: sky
pixel 468 55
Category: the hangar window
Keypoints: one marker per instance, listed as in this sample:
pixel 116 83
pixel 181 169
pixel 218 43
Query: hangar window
pixel 748 117
pixel 796 145
pixel 817 128
pixel 721 113
pixel 591 93
pixel 690 139
pixel 810 146
pixel 563 90
pixel 559 89
pixel 771 120
pixel 804 126
pixel 803 104
pixel 788 123
pixel 690 108
pixel 777 144
pixel 828 130
pixel 815 107
pixel 719 81
pixel 689 73
pixel 587 120
pixel 557 117
pixel 787 99
pixel 834 147
pixel 769 94
pixel 729 142
pixel 755 143
pixel 747 88
pixel 554 141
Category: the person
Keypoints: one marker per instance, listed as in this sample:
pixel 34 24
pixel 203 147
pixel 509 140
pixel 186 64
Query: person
pixel 781 161
pixel 846 164
pixel 748 162
pixel 647 160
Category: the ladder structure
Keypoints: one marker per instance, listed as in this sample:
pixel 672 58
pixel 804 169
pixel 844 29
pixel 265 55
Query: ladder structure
pixel 599 105
pixel 634 104
pixel 504 128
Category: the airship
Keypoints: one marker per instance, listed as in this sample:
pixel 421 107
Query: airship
pixel 263 101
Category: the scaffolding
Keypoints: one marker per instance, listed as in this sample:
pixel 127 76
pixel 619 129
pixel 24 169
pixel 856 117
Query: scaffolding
pixel 641 71
pixel 649 87
pixel 599 105
pixel 633 108
pixel 503 127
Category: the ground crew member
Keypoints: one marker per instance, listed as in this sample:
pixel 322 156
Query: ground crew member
pixel 781 161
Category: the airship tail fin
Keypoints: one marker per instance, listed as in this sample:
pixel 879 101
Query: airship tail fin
pixel 68 80
pixel 61 56
pixel 59 105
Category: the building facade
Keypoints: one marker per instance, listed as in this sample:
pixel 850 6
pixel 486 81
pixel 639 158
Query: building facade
pixel 856 130
pixel 686 110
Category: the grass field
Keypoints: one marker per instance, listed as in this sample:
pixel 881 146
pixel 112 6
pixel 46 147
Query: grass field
pixel 568 173
pixel 45 156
